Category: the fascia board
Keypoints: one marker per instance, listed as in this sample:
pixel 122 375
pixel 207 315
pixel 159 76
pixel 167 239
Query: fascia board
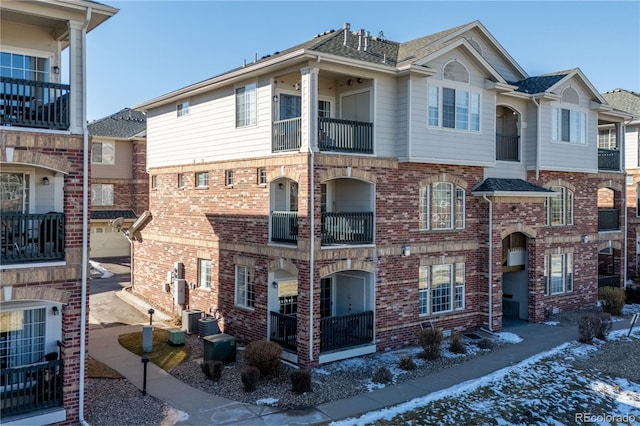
pixel 473 52
pixel 514 194
pixel 492 39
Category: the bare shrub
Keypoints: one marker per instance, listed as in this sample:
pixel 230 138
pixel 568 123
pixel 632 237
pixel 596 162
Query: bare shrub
pixel 300 381
pixel 612 299
pixel 593 326
pixel 382 375
pixel 457 344
pixel 265 355
pixel 212 369
pixel 430 340
pixel 250 376
pixel 406 363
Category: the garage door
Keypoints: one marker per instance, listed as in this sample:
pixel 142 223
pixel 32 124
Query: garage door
pixel 106 241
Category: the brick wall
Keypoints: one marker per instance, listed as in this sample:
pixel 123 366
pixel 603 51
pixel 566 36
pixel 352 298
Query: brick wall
pixel 57 283
pixel 227 223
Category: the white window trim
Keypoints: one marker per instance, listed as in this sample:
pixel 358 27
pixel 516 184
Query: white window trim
pixel 103 186
pixel 243 303
pixel 204 285
pixel 113 150
pixel 425 275
pixel 450 84
pixel 565 193
pixel 206 185
pixel 425 204
pixel 556 124
pixel 565 274
pixel 248 121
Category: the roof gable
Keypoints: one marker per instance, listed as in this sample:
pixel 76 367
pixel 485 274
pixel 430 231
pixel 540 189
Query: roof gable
pixel 624 100
pixel 126 123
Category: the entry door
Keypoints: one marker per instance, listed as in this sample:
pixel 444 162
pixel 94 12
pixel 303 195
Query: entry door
pixel 356 107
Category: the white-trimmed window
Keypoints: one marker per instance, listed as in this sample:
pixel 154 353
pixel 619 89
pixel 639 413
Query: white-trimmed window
pixel 16 65
pixel 442 206
pixel 246 108
pixel 245 295
pixel 154 181
pixel 202 179
pixel 560 208
pixel 569 125
pixel 102 195
pixel 204 273
pixel 441 288
pixel 102 153
pixel 181 181
pixel 262 176
pixel 182 109
pixel 454 107
pixel 607 139
pixel 558 273
pixel 228 177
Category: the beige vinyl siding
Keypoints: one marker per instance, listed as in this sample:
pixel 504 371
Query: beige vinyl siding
pixel 450 146
pixel 208 132
pixel 385 124
pixel 631 136
pixel 402 134
pixel 27 39
pixel 567 156
pixel 531 136
pixel 491 55
pixel 121 167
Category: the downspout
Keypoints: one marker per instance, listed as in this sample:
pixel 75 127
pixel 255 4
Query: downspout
pixel 538 138
pixel 85 221
pixel 490 266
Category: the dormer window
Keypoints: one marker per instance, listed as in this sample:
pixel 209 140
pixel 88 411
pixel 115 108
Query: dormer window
pixel 454 107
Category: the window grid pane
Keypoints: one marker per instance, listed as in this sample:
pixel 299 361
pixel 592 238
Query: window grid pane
pixel 557 274
pixel 441 288
pixel 462 110
pixel 448 107
pixel 433 106
pixel 460 208
pixel 204 276
pixel 424 208
pixel 24 342
pixel 441 206
pixel 423 291
pixel 459 295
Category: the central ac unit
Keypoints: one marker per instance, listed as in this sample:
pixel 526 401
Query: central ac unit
pixel 190 319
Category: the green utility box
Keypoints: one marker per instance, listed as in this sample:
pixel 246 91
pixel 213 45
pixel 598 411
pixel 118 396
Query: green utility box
pixel 175 337
pixel 219 347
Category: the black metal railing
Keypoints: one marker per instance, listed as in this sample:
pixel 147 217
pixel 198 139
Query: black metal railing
pixel 609 280
pixel 608 159
pixel 284 227
pixel 30 387
pixel 31 237
pixel 286 135
pixel 608 219
pixel 283 330
pixel 507 147
pixel 347 228
pixel 346 330
pixel 29 103
pixel 339 135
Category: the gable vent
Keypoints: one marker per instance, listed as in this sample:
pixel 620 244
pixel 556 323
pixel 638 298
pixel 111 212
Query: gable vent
pixel 455 71
pixel 569 95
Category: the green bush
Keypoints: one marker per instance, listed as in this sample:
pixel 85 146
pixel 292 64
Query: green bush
pixel 406 363
pixel 594 326
pixel 612 299
pixel 382 375
pixel 212 369
pixel 300 381
pixel 430 340
pixel 250 376
pixel 265 355
pixel 457 344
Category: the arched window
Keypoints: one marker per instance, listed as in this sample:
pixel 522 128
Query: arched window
pixel 442 206
pixel 455 71
pixel 570 96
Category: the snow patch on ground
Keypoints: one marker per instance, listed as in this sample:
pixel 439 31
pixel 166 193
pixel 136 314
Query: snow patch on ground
pixel 508 337
pixel 266 401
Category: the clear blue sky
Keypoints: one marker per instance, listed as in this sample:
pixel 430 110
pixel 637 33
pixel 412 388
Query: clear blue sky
pixel 150 48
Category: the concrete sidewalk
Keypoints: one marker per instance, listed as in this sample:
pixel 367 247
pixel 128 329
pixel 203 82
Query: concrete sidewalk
pixel 202 408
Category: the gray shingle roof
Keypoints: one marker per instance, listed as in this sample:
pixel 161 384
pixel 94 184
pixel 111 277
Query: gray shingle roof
pixel 125 123
pixel 510 185
pixel 539 84
pixel 624 100
pixel 112 214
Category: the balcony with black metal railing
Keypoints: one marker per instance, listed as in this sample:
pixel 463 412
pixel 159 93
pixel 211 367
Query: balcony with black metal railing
pixel 28 238
pixel 608 159
pixel 507 147
pixel 32 387
pixel 283 330
pixel 348 228
pixel 37 104
pixel 334 135
pixel 343 331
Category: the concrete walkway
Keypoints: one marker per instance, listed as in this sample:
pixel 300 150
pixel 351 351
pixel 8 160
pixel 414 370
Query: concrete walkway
pixel 202 408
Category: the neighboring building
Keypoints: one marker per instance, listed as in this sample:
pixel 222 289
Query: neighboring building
pixel 44 209
pixel 337 196
pixel 629 102
pixel 119 180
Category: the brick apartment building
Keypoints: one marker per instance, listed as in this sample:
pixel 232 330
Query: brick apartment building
pixel 43 182
pixel 119 180
pixel 339 195
pixel 628 101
